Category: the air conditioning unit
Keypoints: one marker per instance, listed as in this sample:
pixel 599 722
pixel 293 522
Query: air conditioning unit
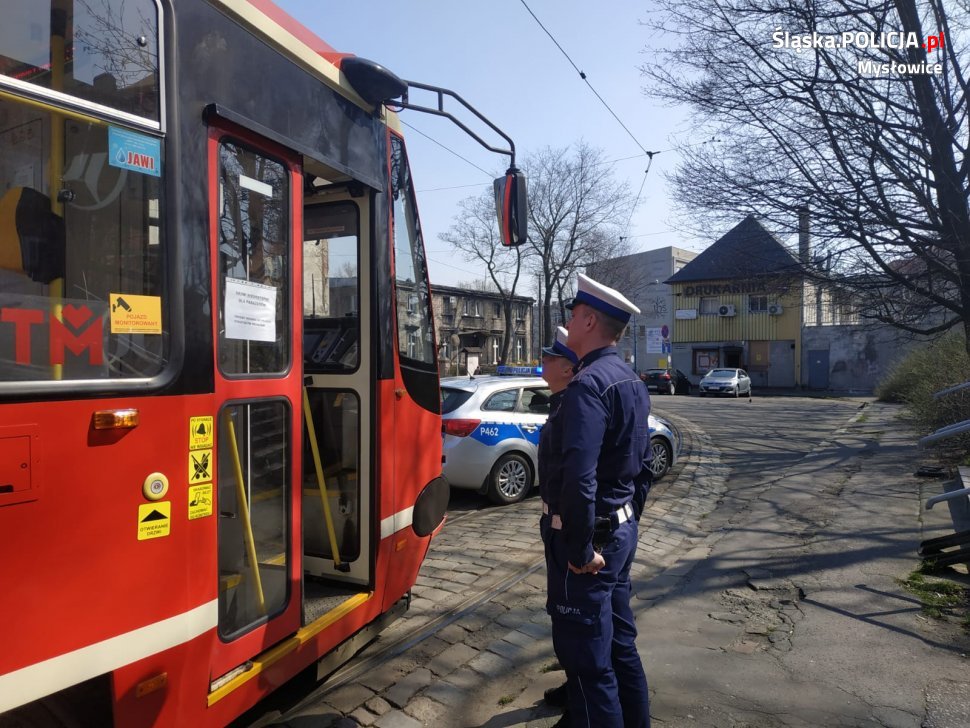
pixel 775 309
pixel 726 310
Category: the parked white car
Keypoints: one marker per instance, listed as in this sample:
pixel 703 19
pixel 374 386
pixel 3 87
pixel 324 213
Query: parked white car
pixel 490 429
pixel 732 382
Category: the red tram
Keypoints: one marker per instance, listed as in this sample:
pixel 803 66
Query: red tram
pixel 219 411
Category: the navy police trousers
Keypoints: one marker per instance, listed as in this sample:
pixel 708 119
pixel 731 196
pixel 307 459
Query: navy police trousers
pixel 594 634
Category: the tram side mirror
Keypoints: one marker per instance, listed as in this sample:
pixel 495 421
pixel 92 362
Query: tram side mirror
pixel 512 207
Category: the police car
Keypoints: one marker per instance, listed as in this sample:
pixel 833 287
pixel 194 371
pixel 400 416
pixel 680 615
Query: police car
pixel 490 429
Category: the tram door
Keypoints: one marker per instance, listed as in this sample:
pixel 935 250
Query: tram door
pixel 337 499
pixel 254 200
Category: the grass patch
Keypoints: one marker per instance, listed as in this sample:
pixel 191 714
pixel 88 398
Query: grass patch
pixel 506 699
pixel 938 597
pixel 862 418
pixel 551 667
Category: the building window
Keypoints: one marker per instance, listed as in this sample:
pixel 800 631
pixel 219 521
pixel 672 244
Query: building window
pixel 494 351
pixel 412 304
pixel 498 310
pixel 519 348
pixel 473 307
pixel 757 304
pixel 705 360
pixel 412 344
pixel 709 305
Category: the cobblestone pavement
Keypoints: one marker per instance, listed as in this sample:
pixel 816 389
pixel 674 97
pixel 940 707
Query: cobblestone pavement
pixel 479 657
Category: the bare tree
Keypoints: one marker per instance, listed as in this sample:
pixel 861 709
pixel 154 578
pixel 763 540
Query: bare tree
pixel 475 234
pixel 577 213
pixel 835 104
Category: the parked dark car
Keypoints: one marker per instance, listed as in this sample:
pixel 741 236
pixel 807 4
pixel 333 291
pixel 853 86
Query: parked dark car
pixel 666 381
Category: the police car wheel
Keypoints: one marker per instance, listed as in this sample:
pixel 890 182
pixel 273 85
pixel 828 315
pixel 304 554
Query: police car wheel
pixel 662 455
pixel 510 479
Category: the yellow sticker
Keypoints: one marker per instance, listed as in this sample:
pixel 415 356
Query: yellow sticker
pixel 200 466
pixel 154 520
pixel 132 314
pixel 200 432
pixel 200 501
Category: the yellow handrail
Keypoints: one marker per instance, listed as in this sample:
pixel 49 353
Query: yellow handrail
pixel 321 483
pixel 244 511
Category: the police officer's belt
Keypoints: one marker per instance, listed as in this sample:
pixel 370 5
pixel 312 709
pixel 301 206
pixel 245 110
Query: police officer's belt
pixel 621 515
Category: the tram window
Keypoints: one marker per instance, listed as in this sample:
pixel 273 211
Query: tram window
pixel 101 51
pixel 82 291
pixel 253 262
pixel 331 287
pixel 253 473
pixel 415 339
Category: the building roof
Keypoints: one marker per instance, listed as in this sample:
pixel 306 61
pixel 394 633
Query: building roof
pixel 745 251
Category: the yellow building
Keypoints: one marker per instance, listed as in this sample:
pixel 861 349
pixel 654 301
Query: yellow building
pixel 739 304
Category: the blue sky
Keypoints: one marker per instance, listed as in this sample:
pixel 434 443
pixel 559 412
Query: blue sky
pixel 498 58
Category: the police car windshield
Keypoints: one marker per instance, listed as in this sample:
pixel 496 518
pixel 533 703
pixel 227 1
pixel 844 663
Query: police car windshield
pixel 452 399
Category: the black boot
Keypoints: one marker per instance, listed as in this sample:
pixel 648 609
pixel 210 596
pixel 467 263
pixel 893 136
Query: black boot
pixel 556 697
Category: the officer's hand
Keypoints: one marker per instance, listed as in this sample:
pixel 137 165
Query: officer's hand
pixel 592 567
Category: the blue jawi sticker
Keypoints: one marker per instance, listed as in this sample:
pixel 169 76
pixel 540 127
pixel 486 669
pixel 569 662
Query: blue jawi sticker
pixel 137 152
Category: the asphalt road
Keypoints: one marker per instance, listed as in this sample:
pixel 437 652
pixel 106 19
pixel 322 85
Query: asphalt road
pixel 761 435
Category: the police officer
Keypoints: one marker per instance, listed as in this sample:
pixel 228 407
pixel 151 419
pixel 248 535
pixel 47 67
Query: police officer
pixel 558 362
pixel 603 483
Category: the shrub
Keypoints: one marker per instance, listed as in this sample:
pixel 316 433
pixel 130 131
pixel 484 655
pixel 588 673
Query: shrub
pixel 913 381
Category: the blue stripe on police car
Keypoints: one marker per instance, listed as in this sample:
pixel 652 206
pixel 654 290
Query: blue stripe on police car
pixel 493 433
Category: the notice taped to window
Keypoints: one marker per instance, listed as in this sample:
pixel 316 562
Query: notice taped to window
pixel 250 311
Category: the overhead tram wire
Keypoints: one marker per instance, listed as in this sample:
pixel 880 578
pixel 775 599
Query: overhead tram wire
pixel 582 75
pixel 606 161
pixel 640 191
pixel 447 149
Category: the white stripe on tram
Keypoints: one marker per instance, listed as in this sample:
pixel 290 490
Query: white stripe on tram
pixel 35 681
pixel 393 524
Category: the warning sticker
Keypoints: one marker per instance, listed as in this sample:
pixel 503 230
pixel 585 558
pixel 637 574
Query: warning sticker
pixel 200 432
pixel 154 520
pixel 200 501
pixel 200 466
pixel 132 314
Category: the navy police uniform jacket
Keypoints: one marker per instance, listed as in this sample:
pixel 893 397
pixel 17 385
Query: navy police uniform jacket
pixel 605 448
pixel 550 457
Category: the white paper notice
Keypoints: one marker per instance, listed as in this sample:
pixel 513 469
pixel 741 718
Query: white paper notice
pixel 250 311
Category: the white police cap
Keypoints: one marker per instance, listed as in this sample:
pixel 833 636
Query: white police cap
pixel 603 298
pixel 559 347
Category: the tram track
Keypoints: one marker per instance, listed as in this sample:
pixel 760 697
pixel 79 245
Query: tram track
pixel 370 659
pixel 450 553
